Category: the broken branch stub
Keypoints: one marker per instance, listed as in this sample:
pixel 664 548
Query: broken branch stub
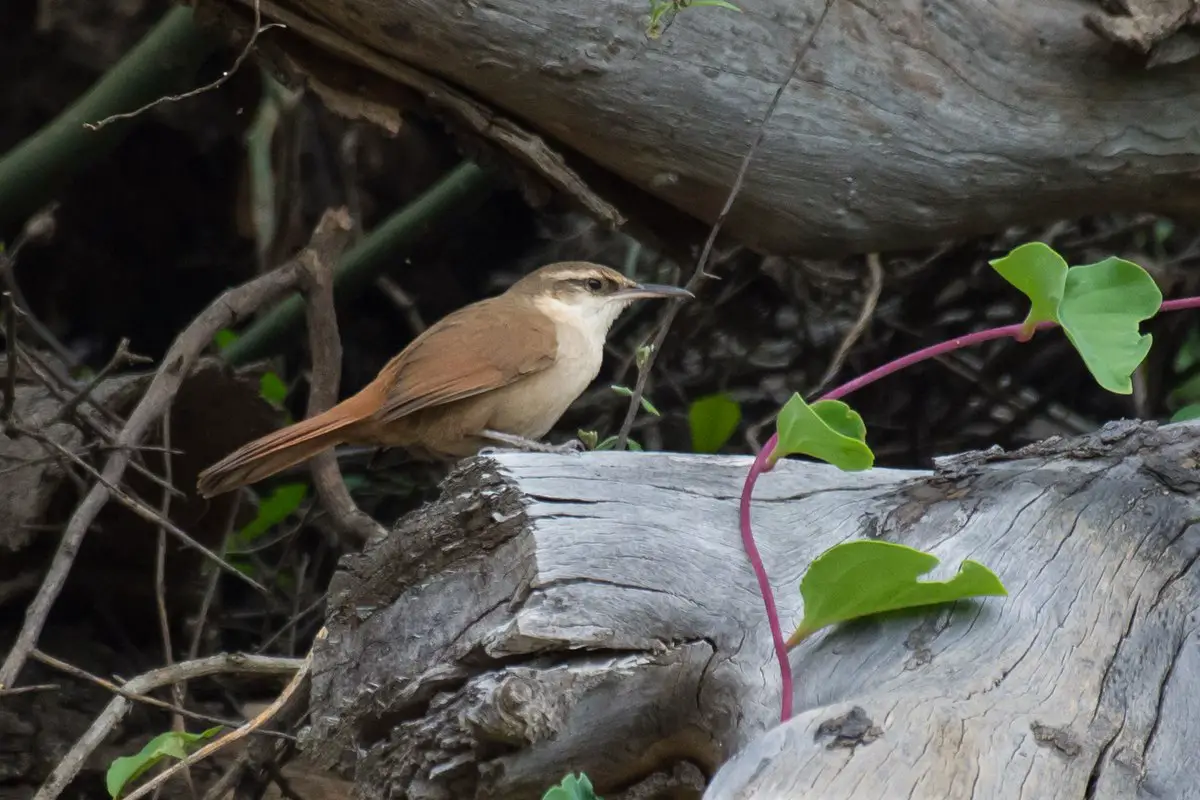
pixel 596 613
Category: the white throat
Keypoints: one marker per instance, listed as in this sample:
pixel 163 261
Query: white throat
pixel 593 317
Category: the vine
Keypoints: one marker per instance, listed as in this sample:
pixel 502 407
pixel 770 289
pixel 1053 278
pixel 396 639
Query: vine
pixel 1099 307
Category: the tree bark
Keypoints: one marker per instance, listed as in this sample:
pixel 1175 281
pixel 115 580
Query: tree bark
pixel 597 612
pixel 910 121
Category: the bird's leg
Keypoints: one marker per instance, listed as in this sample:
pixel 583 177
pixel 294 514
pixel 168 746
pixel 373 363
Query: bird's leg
pixel 529 445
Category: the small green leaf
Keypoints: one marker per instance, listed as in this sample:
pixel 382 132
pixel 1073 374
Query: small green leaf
pixel 589 438
pixel 272 388
pixel 173 744
pixel 625 391
pixel 828 430
pixel 277 507
pixel 1041 274
pixel 717 3
pixel 642 355
pixel 224 338
pixel 1101 311
pixel 712 420
pixel 610 442
pixel 854 579
pixel 1191 411
pixel 572 788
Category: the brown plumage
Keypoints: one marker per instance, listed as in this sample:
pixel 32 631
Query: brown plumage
pixel 510 364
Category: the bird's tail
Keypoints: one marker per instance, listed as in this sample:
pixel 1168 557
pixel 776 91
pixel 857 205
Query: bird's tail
pixel 277 451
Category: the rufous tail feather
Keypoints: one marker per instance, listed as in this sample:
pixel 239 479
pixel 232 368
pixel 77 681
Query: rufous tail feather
pixel 275 452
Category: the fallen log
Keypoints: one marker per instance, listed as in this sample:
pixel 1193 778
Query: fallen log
pixel 597 613
pixel 908 123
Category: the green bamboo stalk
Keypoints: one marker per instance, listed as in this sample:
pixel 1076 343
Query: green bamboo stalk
pixel 164 62
pixel 462 188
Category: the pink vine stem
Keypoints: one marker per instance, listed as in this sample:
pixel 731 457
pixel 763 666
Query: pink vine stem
pixel 760 466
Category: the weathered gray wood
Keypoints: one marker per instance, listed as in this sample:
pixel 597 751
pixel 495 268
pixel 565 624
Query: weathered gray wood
pixel 910 122
pixel 597 613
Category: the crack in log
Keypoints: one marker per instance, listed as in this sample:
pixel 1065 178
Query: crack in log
pixel 1098 765
pixel 559 582
pixel 1183 570
pixel 1116 652
pixel 1162 692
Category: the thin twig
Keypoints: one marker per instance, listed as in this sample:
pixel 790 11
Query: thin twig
pixel 331 236
pixel 141 509
pixel 175 98
pixel 210 591
pixel 874 289
pixel 698 276
pixel 63 388
pixel 68 767
pixel 291 623
pixel 120 358
pixel 178 690
pixel 220 789
pixel 40 226
pixel 35 687
pixel 160 557
pixel 263 754
pixel 223 312
pixel 266 715
pixel 10 358
pixel 46 375
pixel 84 675
pixel 412 315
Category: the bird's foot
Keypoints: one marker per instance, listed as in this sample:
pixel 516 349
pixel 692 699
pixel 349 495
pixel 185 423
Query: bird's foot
pixel 521 444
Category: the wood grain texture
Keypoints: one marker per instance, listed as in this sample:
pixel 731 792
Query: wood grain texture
pixel 596 612
pixel 911 121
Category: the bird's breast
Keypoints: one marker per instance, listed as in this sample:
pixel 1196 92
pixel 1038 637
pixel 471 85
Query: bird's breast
pixel 531 406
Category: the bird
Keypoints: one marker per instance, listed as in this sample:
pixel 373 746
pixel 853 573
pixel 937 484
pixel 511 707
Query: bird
pixel 498 372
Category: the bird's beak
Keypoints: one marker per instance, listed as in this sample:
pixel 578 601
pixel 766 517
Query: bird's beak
pixel 640 290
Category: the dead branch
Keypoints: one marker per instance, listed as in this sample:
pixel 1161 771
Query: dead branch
pixel 223 312
pixel 332 235
pixel 297 683
pixel 84 675
pixel 116 709
pixel 140 508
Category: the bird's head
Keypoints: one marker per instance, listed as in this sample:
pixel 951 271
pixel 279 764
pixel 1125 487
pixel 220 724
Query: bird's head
pixel 592 293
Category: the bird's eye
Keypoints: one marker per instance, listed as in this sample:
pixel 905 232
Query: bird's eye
pixel 594 284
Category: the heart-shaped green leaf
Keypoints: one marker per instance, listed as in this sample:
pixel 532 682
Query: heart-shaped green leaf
pixel 828 430
pixel 1102 308
pixel 173 744
pixel 712 420
pixel 1041 274
pixel 854 579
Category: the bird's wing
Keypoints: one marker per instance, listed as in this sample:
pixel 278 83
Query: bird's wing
pixel 465 354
